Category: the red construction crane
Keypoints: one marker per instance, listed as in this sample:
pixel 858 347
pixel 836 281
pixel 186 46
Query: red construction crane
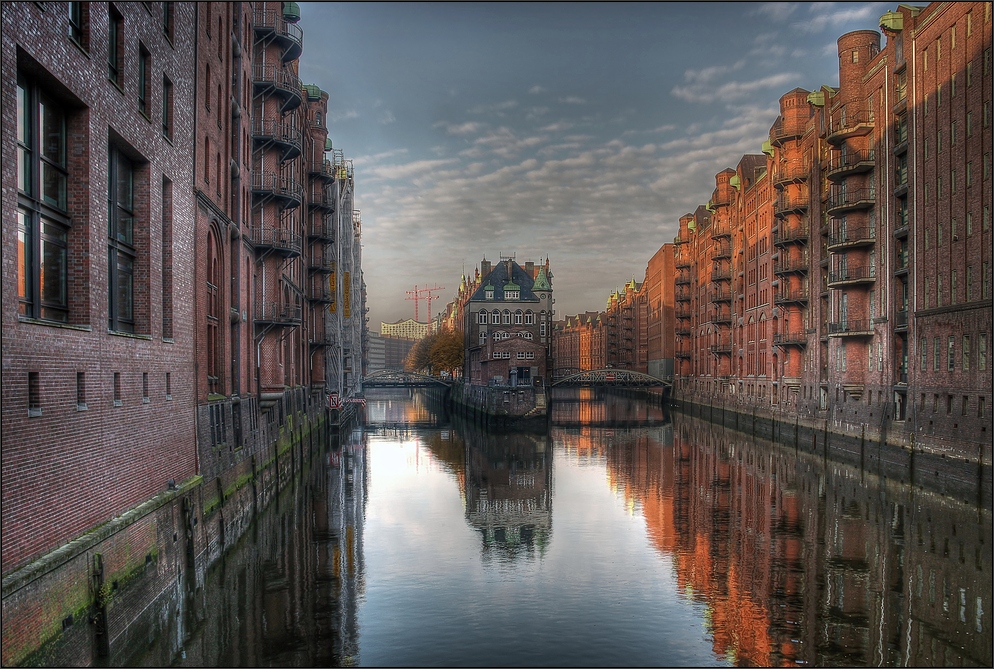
pixel 426 294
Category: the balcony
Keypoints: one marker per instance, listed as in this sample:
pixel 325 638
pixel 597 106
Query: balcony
pixel 277 313
pixel 721 275
pixel 721 349
pixel 318 263
pixel 683 280
pixel 847 124
pixel 321 340
pixel 321 200
pixel 323 169
pixel 277 134
pixel 684 314
pixel 901 263
pixel 272 25
pixel 721 318
pixel 278 240
pixel 321 293
pixel 790 266
pixel 683 295
pixel 784 205
pixel 721 295
pixel 683 355
pixel 722 251
pixel 851 200
pixel 720 229
pixel 795 296
pixel 851 275
pixel 682 331
pixel 683 263
pixel 850 328
pixel 795 174
pixel 850 162
pixel 272 79
pixel 795 236
pixel 851 237
pixel 785 130
pixel 901 319
pixel 322 229
pixel 267 185
pixel 785 339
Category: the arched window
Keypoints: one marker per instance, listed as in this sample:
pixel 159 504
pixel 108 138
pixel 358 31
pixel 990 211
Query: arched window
pixel 213 334
pixel 529 318
pixel 495 317
pixel 482 317
pixel 507 317
pixel 517 317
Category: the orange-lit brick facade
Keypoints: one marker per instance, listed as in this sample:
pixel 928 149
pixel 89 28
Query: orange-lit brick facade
pixel 844 274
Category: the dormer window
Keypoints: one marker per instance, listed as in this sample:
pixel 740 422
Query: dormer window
pixel 512 294
pixel 490 294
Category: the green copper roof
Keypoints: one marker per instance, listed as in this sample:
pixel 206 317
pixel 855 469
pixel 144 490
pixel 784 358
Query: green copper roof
pixel 541 281
pixel 735 182
pixel 817 98
pixel 313 92
pixel 291 12
pixel 768 147
pixel 327 144
pixel 893 21
pixel 510 285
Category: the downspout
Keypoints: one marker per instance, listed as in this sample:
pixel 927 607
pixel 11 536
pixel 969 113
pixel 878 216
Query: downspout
pixel 236 199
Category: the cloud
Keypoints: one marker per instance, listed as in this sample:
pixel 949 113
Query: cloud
pixel 388 118
pixel 775 11
pixel 832 15
pixel 338 115
pixel 497 109
pixel 468 128
pixel 536 89
pixel 733 91
pixel 573 100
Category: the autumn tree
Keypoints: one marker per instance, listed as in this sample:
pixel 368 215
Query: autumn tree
pixel 446 352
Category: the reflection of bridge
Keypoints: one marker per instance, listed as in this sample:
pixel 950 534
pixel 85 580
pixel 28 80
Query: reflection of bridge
pixel 390 378
pixel 612 378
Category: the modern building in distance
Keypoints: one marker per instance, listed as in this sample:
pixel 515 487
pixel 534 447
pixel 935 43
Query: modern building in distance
pixel 844 274
pixel 405 329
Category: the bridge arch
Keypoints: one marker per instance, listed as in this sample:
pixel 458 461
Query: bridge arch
pixel 621 378
pixel 391 378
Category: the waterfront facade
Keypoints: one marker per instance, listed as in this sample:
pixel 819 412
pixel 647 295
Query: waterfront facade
pixel 507 331
pixel 188 261
pixel 844 274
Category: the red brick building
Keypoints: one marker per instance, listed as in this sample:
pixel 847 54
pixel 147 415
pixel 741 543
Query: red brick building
pixel 183 288
pixel 98 321
pixel 846 273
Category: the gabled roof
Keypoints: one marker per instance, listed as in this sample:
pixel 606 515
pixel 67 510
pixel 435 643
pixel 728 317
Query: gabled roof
pixel 499 279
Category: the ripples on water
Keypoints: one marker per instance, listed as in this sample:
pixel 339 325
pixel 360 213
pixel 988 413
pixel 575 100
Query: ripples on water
pixel 427 542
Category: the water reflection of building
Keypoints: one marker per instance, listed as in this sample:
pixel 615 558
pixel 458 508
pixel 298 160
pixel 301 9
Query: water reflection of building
pixel 509 491
pixel 799 561
pixel 288 594
pixel 398 407
pixel 591 406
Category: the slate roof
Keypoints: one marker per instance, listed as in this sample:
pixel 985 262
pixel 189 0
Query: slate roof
pixel 498 279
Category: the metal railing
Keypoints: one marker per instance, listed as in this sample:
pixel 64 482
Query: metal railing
pixel 277 312
pixel 853 274
pixel 278 185
pixel 276 238
pixel 790 339
pixel 850 326
pixel 856 198
pixel 850 122
pixel 272 21
pixel 852 236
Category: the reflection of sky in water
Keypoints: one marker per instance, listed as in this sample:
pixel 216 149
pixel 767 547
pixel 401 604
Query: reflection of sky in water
pixel 598 594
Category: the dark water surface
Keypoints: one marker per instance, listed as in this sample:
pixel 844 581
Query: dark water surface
pixel 617 538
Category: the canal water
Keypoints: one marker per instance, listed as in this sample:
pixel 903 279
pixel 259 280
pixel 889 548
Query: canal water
pixel 619 536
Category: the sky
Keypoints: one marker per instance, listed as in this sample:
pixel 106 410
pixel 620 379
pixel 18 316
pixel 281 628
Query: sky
pixel 578 132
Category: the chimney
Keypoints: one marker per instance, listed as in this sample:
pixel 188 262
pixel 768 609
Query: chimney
pixel 530 269
pixel 484 268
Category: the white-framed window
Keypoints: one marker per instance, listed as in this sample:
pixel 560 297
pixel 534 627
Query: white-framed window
pixel 521 355
pixel 529 318
pixel 489 294
pixel 483 336
pixel 531 355
pixel 512 294
pixel 517 317
pixel 507 317
pixel 541 330
pixel 495 317
pixel 528 335
pixel 482 317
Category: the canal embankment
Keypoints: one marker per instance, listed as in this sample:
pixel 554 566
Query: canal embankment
pixel 108 594
pixel 885 450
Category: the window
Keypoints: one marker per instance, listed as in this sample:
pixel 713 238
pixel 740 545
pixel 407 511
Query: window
pixel 969 283
pixel 115 46
pixel 541 331
pixel 169 386
pixel 966 353
pixel 950 354
pixel 481 318
pixel 122 254
pixel 969 223
pixel 34 394
pixel 923 349
pixel 483 336
pixel 207 88
pixel 507 317
pixel 117 390
pixel 167 108
pixel 42 216
pixel 935 354
pixel 495 317
pixel 167 20
pixel 167 259
pixel 81 391
pixel 982 351
pixel 521 355
pixel 214 307
pixel 79 18
pixel 144 65
pixel 517 317
pixel 529 318
pixel 145 397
